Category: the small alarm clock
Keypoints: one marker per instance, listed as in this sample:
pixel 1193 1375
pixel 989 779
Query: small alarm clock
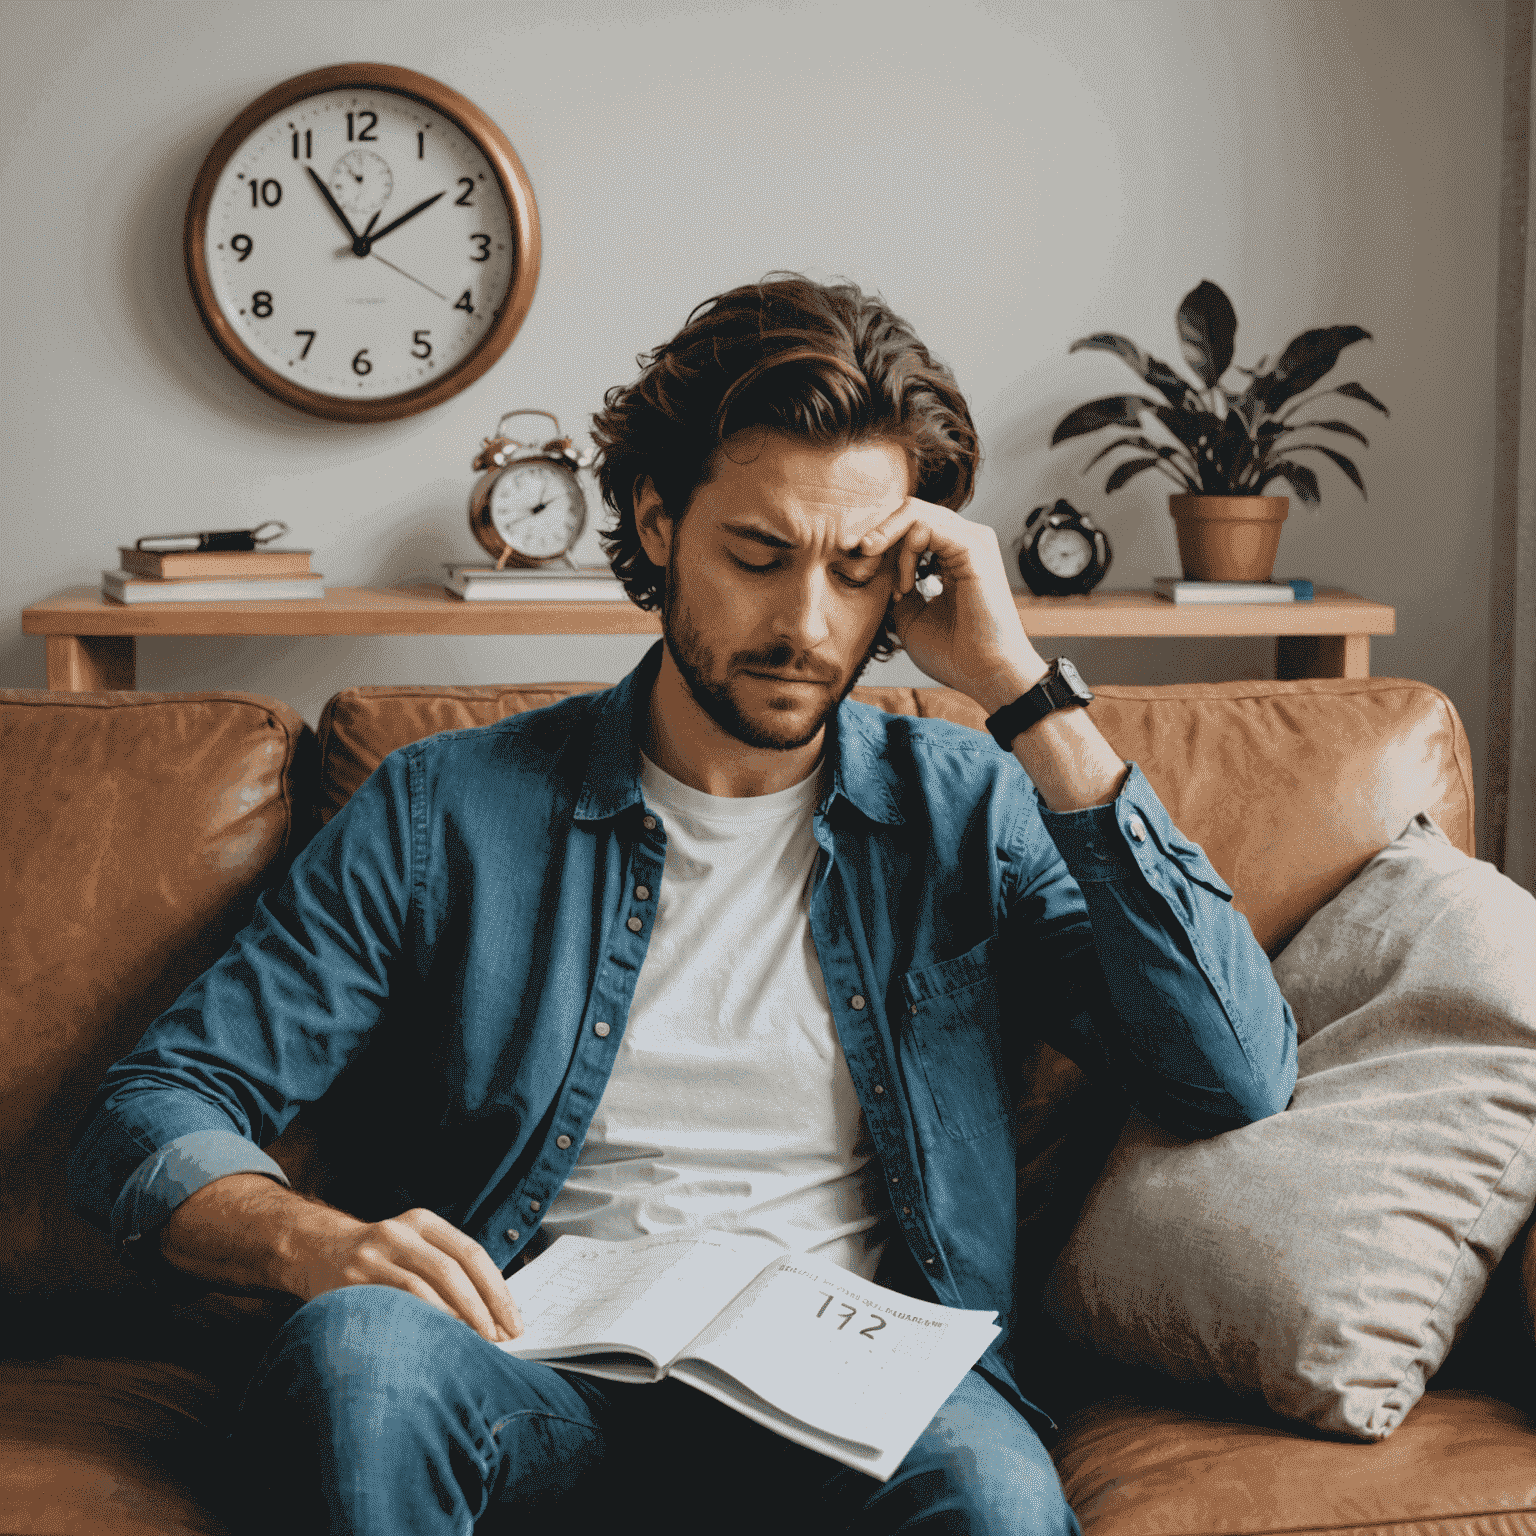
pixel 528 509
pixel 1063 551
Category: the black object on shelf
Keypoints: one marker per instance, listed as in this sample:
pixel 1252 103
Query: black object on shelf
pixel 1064 551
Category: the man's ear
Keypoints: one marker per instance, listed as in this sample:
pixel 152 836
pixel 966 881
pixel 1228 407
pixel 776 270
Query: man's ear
pixel 652 523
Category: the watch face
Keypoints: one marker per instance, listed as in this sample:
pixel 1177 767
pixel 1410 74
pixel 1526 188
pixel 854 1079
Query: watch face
pixel 360 246
pixel 538 508
pixel 1064 551
pixel 1072 678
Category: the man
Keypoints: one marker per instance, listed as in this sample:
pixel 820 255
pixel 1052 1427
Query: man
pixel 713 948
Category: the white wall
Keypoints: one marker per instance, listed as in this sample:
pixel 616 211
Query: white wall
pixel 1009 175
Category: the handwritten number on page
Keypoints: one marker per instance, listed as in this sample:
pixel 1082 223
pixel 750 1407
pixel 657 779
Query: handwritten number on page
pixel 864 1333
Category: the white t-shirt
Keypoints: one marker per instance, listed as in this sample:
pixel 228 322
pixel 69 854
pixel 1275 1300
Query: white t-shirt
pixel 730 1106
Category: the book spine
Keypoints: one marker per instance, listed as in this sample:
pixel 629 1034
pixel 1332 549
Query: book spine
pixel 193 565
pixel 504 592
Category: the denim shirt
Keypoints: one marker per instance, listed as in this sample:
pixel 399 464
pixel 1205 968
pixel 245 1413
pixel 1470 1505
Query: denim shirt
pixel 441 959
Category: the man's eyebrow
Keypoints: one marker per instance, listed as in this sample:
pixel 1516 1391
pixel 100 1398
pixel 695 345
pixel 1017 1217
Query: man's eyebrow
pixel 773 541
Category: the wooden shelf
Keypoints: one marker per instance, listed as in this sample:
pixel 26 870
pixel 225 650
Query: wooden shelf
pixel 91 640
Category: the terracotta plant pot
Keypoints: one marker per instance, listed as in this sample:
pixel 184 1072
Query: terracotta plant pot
pixel 1228 538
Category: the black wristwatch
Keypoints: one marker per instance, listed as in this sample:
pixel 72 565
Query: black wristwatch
pixel 1060 688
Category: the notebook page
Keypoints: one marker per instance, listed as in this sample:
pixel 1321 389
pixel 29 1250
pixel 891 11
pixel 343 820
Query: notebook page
pixel 652 1294
pixel 842 1354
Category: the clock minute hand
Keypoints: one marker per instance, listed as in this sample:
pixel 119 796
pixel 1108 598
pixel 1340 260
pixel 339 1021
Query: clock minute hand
pixel 346 223
pixel 410 213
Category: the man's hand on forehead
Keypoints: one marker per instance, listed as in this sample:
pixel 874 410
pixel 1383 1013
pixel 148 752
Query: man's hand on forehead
pixel 971 632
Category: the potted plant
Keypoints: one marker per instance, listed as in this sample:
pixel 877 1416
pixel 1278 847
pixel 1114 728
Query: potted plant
pixel 1228 445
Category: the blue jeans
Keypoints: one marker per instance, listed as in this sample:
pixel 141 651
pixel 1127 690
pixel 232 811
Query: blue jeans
pixel 372 1412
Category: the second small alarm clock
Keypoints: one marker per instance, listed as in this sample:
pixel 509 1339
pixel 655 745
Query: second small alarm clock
pixel 528 509
pixel 1063 552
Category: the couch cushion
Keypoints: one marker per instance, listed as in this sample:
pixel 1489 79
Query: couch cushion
pixel 107 1448
pixel 136 830
pixel 1462 1465
pixel 1288 787
pixel 1327 1257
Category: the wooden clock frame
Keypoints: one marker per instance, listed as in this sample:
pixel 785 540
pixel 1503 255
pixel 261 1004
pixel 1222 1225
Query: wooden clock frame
pixel 515 187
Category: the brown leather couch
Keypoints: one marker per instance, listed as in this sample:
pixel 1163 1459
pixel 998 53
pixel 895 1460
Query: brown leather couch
pixel 136 831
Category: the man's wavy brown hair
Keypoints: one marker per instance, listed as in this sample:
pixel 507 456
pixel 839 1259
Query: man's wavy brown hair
pixel 826 363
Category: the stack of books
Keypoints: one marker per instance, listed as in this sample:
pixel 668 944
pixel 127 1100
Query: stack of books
pixel 548 583
pixel 211 576
pixel 1177 590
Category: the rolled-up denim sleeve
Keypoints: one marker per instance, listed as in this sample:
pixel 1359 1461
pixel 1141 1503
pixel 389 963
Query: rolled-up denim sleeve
pixel 263 1031
pixel 1125 940
pixel 167 1177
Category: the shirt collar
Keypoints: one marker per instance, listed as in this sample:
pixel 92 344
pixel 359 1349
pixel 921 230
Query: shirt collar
pixel 861 771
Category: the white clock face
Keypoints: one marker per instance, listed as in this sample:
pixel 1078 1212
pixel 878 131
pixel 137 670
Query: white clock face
pixel 1063 551
pixel 360 244
pixel 538 509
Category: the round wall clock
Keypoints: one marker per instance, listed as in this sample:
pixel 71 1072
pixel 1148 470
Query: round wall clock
pixel 362 242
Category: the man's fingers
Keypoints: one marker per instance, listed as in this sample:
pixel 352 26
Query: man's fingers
pixel 416 1246
pixel 479 1268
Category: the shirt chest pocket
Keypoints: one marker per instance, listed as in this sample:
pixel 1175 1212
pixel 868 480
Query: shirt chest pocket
pixel 954 1034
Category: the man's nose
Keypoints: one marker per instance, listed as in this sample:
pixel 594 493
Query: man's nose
pixel 803 620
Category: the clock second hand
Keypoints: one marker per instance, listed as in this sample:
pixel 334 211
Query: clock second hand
pixel 403 273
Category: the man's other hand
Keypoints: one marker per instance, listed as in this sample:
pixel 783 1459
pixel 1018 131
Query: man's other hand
pixel 418 1252
pixel 247 1233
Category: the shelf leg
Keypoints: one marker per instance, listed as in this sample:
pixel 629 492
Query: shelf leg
pixel 90 663
pixel 1322 656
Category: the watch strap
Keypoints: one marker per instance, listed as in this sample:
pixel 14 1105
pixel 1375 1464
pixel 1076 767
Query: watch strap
pixel 1060 688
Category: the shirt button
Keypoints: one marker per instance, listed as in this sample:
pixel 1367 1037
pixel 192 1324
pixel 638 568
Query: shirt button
pixel 1137 828
pixel 927 1261
pixel 642 893
pixel 879 1087
pixel 533 1205
pixel 649 823
pixel 906 1210
pixel 634 925
pixel 855 1001
pixel 562 1142
pixel 600 1029
pixel 512 1234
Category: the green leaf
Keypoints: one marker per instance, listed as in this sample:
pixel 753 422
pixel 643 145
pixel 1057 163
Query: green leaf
pixel 1122 346
pixel 1207 326
pixel 1123 472
pixel 1189 426
pixel 1162 450
pixel 1306 359
pixel 1234 449
pixel 1331 426
pixel 1153 370
pixel 1356 392
pixel 1111 411
pixel 1199 432
pixel 1298 477
pixel 1338 458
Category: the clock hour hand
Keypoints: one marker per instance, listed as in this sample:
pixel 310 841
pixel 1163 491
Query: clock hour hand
pixel 346 223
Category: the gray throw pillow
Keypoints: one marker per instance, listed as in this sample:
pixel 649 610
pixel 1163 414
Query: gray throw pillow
pixel 1326 1257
